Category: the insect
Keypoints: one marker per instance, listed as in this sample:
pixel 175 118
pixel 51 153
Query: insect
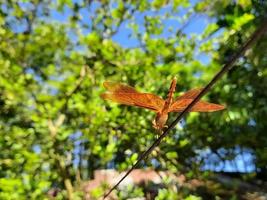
pixel 128 95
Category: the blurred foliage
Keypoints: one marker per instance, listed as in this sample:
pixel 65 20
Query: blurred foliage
pixel 54 55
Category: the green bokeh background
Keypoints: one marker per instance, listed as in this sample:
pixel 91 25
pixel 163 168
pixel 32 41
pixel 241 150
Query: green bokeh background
pixel 55 130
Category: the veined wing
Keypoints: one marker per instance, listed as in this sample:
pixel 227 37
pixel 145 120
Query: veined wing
pixel 191 94
pixel 127 95
pixel 118 87
pixel 201 106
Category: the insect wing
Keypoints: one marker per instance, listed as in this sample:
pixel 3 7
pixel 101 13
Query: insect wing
pixel 128 95
pixel 191 94
pixel 118 87
pixel 201 106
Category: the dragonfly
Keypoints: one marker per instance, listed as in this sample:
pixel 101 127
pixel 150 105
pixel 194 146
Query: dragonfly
pixel 127 95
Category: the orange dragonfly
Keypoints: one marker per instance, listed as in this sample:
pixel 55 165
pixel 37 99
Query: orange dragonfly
pixel 128 95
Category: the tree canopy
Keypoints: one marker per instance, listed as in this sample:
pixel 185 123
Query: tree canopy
pixel 55 130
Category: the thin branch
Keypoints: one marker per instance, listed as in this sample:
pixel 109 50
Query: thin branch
pixel 255 36
pixel 185 24
pixel 75 89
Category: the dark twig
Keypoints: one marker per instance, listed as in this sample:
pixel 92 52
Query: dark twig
pixel 185 25
pixel 75 89
pixel 255 36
